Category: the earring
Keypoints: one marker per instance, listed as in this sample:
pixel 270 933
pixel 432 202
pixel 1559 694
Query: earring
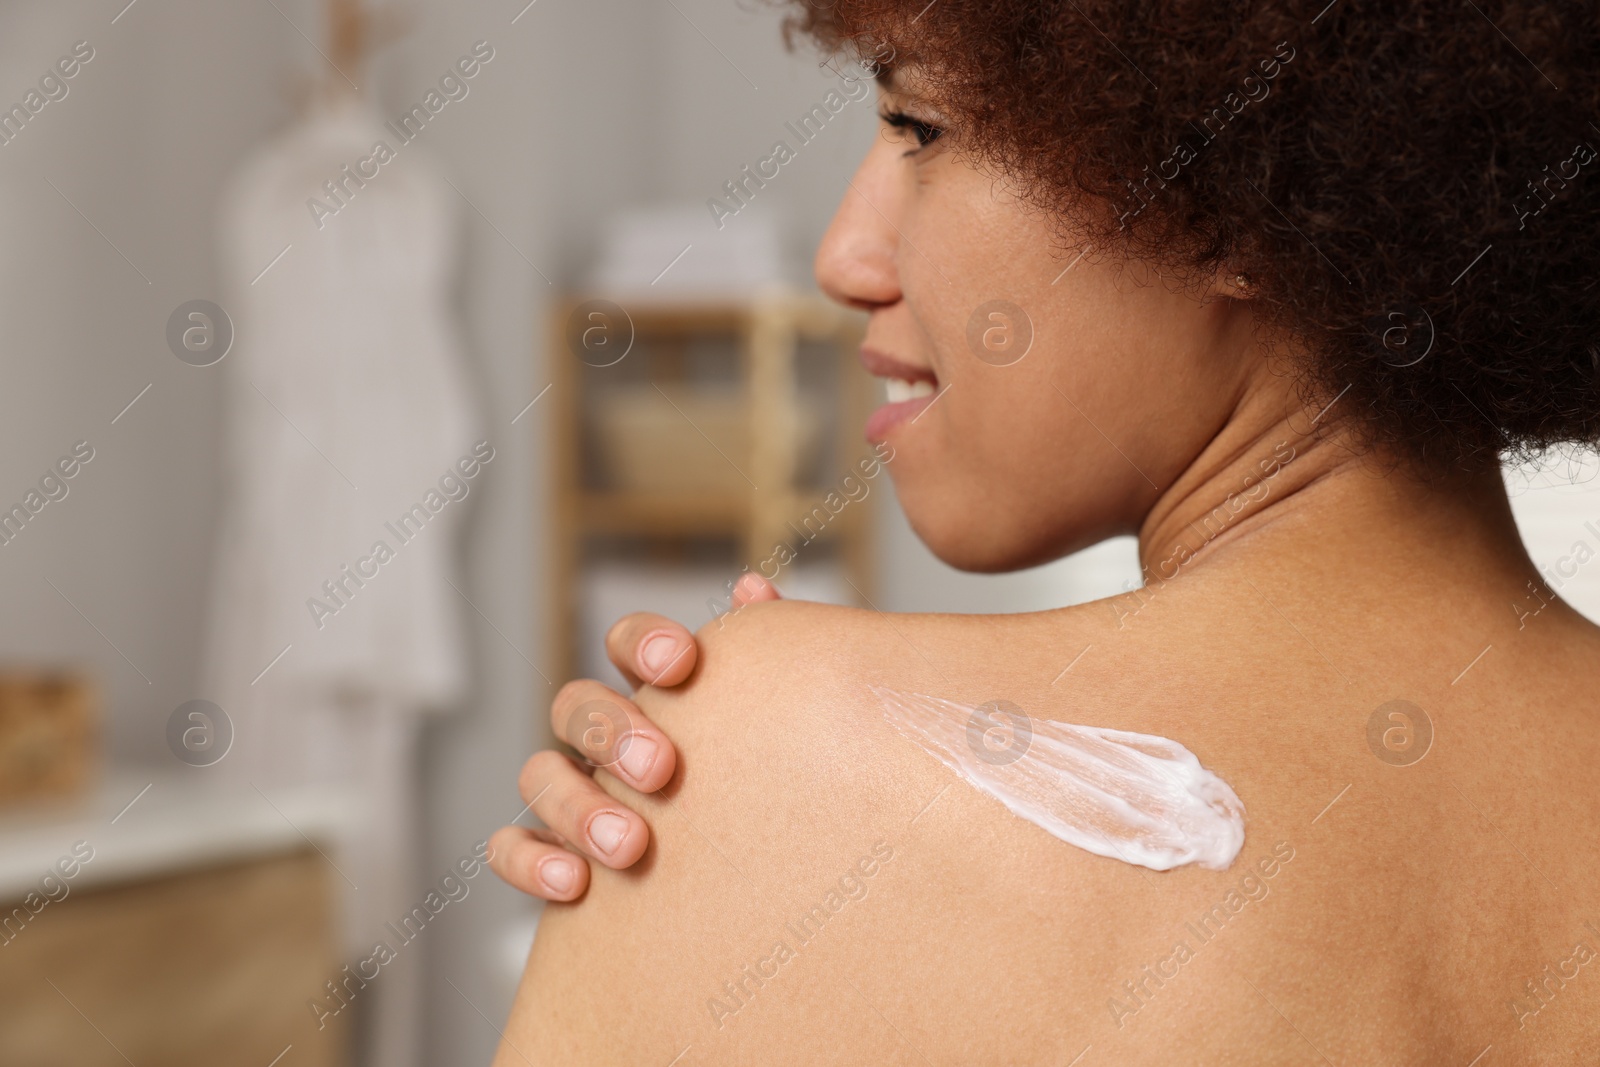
pixel 1241 282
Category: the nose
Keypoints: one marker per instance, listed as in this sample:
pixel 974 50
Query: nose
pixel 855 263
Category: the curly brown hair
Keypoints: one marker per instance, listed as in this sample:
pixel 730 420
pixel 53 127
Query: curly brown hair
pixel 1410 187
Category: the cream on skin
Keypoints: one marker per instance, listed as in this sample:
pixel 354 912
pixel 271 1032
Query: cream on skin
pixel 1133 797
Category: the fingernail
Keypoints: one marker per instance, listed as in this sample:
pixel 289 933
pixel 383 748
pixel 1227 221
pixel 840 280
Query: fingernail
pixel 607 831
pixel 558 874
pixel 638 756
pixel 656 653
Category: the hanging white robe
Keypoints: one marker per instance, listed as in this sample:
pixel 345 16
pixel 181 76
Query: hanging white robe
pixel 347 405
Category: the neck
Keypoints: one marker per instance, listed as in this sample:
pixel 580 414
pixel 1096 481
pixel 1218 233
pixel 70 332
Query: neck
pixel 1283 481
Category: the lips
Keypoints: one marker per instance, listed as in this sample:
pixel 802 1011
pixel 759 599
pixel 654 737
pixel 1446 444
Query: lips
pixel 910 390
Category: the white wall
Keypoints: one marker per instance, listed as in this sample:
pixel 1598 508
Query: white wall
pixel 150 126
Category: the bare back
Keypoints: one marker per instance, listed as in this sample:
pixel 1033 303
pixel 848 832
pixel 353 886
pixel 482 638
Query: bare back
pixel 821 891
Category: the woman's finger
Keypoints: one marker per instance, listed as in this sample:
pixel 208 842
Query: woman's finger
pixel 610 731
pixel 650 649
pixel 586 816
pixel 752 587
pixel 525 861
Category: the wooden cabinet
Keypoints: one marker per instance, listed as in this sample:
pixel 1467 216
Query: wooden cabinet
pixel 189 970
pixel 167 917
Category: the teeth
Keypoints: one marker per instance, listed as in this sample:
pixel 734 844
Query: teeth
pixel 898 390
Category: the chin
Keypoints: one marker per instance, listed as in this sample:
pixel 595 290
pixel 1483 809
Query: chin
pixel 969 539
pixel 977 533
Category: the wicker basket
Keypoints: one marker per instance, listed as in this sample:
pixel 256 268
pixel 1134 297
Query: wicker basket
pixel 47 734
pixel 678 439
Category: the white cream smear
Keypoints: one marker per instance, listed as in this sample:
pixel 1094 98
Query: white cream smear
pixel 1134 797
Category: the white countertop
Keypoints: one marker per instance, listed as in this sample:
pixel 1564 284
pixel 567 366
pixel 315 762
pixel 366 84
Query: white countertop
pixel 143 824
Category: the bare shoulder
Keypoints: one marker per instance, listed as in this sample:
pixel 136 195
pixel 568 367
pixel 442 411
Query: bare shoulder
pixel 819 890
pixel 799 874
pixel 804 648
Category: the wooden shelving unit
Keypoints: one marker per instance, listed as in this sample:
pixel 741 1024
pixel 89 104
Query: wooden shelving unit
pixel 768 333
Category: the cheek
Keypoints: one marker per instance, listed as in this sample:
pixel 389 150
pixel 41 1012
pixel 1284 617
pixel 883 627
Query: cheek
pixel 1020 464
pixel 1010 476
pixel 967 246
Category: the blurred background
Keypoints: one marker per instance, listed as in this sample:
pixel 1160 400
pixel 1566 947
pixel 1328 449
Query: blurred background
pixel 361 364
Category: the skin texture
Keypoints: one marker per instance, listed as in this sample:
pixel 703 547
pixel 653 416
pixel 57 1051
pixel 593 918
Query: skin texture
pixel 1412 909
pixel 1294 586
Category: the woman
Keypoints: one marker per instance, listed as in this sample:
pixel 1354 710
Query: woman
pixel 1273 290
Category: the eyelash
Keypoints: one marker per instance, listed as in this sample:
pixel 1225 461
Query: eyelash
pixel 922 131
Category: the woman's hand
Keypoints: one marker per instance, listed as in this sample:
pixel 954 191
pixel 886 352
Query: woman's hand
pixel 609 731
